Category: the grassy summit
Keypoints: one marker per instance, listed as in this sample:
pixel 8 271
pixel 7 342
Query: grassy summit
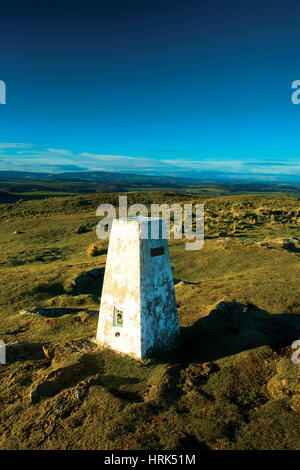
pixel 229 385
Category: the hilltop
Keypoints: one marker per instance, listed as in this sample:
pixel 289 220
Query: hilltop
pixel 229 385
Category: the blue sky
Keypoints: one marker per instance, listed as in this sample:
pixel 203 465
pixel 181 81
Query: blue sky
pixel 181 88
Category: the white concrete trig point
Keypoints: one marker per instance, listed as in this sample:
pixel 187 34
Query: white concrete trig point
pixel 2 352
pixel 138 314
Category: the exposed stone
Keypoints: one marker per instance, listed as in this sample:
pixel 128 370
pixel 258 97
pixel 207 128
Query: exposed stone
pixel 82 281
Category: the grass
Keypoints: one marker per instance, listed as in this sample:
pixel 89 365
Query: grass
pixel 31 194
pixel 229 385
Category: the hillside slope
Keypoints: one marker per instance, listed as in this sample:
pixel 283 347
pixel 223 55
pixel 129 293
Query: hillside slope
pixel 229 385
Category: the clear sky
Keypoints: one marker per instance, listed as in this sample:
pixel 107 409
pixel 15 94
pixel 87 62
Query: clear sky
pixel 191 87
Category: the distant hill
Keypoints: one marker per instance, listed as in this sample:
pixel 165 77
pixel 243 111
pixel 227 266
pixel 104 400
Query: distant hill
pixel 15 185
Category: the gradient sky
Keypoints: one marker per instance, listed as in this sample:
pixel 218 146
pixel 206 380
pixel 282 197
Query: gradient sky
pixel 190 88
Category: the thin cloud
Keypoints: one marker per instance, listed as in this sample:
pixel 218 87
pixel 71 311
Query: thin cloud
pixel 26 157
pixel 60 151
pixel 14 145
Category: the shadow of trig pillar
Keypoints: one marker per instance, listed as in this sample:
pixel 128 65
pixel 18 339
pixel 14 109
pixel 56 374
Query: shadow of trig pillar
pixel 138 314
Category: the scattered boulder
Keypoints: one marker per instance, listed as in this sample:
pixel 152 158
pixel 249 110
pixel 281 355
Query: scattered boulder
pixel 96 273
pixel 289 244
pixel 88 282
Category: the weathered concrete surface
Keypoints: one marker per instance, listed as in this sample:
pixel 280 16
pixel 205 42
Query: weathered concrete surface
pixel 138 312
